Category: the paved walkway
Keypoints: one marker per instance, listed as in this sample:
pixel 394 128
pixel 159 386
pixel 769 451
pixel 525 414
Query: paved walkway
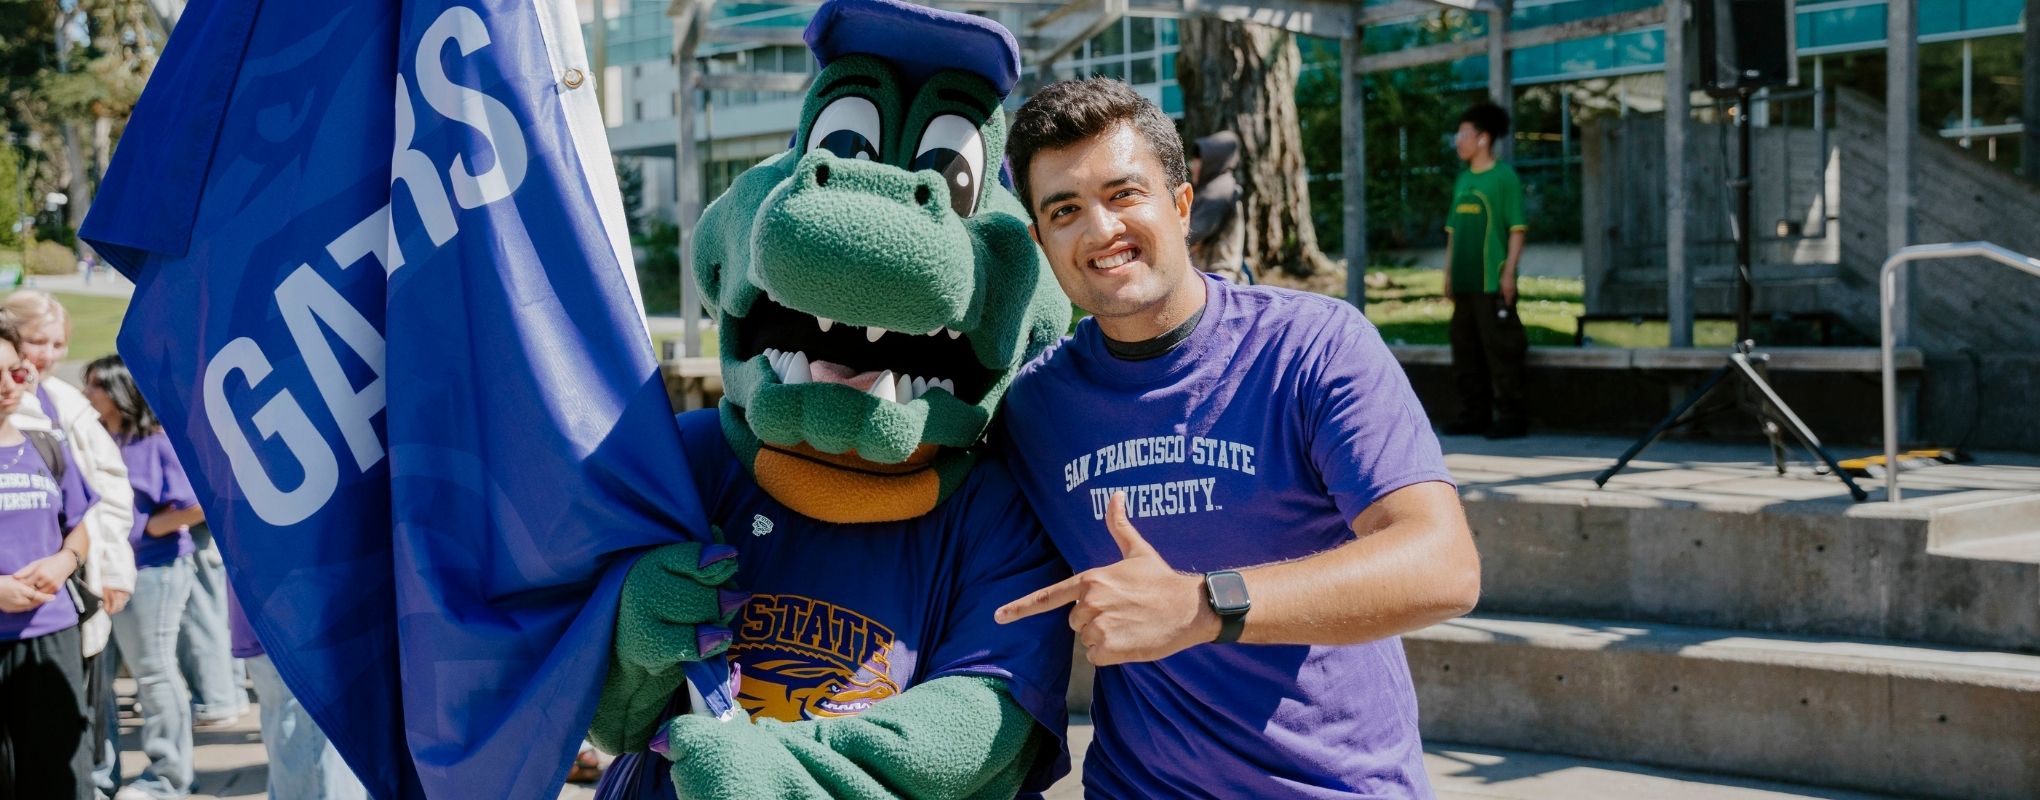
pixel 105 283
pixel 231 767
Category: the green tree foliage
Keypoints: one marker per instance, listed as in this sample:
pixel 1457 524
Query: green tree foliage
pixel 630 181
pixel 1410 117
pixel 659 267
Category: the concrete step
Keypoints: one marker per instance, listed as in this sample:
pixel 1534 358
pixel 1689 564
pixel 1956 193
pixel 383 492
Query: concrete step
pixel 1718 546
pixel 1473 772
pixel 2021 548
pixel 1867 715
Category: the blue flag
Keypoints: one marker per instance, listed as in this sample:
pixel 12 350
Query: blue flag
pixel 386 309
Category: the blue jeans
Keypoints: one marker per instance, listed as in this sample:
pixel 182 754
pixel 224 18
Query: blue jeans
pixel 302 764
pixel 147 633
pixel 206 651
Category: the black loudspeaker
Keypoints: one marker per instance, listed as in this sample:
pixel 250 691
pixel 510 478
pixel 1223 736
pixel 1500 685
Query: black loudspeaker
pixel 1745 45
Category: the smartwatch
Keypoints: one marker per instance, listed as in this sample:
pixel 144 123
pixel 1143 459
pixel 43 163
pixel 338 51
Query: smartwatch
pixel 1226 591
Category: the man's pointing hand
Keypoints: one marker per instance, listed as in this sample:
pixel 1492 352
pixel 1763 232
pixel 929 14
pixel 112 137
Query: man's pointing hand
pixel 1137 609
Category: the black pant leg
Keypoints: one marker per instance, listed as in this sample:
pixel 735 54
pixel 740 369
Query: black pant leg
pixel 42 685
pixel 1507 348
pixel 1469 360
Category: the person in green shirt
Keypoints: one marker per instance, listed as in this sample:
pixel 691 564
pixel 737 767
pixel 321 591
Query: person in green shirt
pixel 1483 240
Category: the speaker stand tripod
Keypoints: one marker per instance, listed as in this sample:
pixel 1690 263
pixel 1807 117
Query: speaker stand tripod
pixel 1755 396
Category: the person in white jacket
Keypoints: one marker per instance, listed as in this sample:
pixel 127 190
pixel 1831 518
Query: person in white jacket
pixel 110 568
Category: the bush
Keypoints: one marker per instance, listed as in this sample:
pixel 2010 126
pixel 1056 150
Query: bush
pixel 50 258
pixel 658 267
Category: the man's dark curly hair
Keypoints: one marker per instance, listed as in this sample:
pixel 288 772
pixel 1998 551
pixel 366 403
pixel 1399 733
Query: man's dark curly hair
pixel 1067 112
pixel 1488 118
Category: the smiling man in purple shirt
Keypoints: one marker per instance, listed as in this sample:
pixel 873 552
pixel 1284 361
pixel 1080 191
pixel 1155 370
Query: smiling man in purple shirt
pixel 1253 499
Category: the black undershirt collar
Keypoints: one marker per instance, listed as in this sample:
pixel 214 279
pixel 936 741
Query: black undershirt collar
pixel 1152 348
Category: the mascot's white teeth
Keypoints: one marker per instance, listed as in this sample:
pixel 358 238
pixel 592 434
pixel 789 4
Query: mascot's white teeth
pixel 794 368
pixel 825 323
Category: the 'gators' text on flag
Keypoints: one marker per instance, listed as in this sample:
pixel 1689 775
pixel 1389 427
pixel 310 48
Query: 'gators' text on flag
pixel 386 308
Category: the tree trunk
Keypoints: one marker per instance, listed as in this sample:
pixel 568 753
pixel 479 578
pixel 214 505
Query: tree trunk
pixel 1241 77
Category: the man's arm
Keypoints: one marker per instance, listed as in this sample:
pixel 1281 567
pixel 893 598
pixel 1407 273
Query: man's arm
pixel 1412 565
pixel 1508 265
pixel 167 521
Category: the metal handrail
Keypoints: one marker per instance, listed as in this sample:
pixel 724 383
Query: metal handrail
pixel 1887 286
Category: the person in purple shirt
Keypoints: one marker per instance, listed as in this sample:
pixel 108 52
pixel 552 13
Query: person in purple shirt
pixel 45 746
pixel 303 765
pixel 1242 478
pixel 165 508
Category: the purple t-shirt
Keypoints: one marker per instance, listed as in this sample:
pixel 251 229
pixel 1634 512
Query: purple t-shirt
pixel 160 485
pixel 842 617
pixel 241 635
pixel 1258 439
pixel 35 513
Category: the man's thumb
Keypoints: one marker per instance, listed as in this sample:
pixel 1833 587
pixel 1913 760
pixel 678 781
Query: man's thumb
pixel 1130 542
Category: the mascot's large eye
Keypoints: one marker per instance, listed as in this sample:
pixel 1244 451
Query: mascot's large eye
pixel 952 146
pixel 847 127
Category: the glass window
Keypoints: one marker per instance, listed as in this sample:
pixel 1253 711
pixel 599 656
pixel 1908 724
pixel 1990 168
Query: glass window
pixel 1639 48
pixel 1143 70
pixel 1996 62
pixel 1165 29
pixel 1172 99
pixel 1141 32
pixel 1992 13
pixel 1845 26
pixel 1527 62
pixel 1110 69
pixel 1109 42
pixel 1939 16
pixel 1586 55
pixel 1940 85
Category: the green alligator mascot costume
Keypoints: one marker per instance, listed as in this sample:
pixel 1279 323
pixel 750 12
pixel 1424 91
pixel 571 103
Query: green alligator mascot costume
pixel 876 290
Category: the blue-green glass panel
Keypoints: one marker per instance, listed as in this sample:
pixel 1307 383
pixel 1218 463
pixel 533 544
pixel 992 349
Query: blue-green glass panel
pixel 1142 33
pixel 1168 66
pixel 1586 55
pixel 1472 70
pixel 1166 29
pixel 1528 62
pixel 1847 26
pixel 1640 48
pixel 1172 99
pixel 1993 13
pixel 1940 16
pixel 1143 70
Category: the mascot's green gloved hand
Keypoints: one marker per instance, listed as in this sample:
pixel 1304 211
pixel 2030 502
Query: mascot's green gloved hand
pixel 960 736
pixel 675 608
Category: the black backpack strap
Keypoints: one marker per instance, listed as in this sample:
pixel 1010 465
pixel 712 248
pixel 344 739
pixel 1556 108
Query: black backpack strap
pixel 52 453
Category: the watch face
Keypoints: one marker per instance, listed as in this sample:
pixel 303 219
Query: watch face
pixel 1228 592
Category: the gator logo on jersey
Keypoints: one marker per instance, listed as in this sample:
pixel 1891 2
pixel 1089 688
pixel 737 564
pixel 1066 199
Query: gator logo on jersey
pixel 804 658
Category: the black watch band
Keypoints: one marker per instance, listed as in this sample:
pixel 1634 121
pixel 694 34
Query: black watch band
pixel 1226 592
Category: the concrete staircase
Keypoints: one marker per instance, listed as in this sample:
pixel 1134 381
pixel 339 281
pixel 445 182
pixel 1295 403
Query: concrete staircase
pixel 1703 613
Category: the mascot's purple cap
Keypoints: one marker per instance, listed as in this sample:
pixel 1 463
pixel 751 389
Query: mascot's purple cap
pixel 919 41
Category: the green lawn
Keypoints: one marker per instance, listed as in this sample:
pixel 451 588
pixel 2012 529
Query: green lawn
pixel 1412 309
pixel 94 323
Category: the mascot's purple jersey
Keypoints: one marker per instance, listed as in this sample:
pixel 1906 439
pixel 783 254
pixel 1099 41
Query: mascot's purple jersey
pixel 844 616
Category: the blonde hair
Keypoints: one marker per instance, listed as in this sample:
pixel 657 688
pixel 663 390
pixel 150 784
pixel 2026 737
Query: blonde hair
pixel 35 307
